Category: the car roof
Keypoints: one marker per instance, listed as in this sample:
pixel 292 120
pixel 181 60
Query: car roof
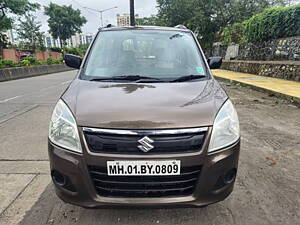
pixel 158 28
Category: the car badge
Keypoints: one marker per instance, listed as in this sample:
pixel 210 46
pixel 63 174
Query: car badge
pixel 145 144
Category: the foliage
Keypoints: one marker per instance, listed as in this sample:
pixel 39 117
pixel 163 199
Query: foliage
pixel 270 24
pixel 3 41
pixel 175 12
pixel 28 61
pixel 17 7
pixel 83 48
pixel 51 61
pixel 72 50
pixel 7 63
pixel 29 31
pixel 234 34
pixel 12 7
pixel 33 60
pixel 274 23
pixel 149 21
pixel 25 62
pixel 64 21
pixel 209 17
pixel 24 46
pixel 285 2
pixel 56 49
pixel 76 51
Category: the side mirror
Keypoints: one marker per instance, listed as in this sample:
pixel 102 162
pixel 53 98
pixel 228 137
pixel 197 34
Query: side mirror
pixel 215 62
pixel 73 61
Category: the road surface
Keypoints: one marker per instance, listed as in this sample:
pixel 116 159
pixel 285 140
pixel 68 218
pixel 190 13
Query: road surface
pixel 267 187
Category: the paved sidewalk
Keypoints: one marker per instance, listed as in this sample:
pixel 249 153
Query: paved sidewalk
pixel 290 89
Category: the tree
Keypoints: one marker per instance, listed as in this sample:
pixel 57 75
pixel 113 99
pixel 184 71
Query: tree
pixel 13 7
pixel 29 32
pixel 209 17
pixel 64 21
pixel 283 2
pixel 3 40
pixel 174 12
pixel 149 21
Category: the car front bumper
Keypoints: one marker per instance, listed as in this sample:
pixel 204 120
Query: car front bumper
pixel 77 187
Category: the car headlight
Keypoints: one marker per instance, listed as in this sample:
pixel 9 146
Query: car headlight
pixel 226 129
pixel 63 129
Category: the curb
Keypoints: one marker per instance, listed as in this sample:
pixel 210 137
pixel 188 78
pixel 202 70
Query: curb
pixel 292 99
pixel 15 73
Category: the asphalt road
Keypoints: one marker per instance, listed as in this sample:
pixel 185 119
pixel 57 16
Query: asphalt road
pixel 267 187
pixel 25 110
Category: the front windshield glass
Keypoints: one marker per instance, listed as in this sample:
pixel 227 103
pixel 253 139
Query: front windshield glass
pixel 148 53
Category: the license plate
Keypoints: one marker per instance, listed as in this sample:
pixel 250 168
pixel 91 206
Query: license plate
pixel 143 168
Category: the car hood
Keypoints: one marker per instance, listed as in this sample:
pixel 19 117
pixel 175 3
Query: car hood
pixel 144 106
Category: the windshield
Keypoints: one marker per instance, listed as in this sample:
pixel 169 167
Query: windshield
pixel 147 53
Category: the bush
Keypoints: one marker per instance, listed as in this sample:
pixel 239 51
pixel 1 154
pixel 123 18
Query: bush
pixel 51 61
pixel 234 34
pixel 274 23
pixel 4 63
pixel 25 62
pixel 72 50
pixel 56 49
pixel 29 61
pixel 60 60
pixel 33 60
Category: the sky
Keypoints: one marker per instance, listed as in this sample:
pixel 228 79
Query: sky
pixel 142 7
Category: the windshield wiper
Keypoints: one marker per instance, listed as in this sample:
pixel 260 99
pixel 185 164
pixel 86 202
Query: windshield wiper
pixel 188 77
pixel 125 77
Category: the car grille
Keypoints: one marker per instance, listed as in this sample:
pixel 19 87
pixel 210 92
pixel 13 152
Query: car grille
pixel 128 144
pixel 144 186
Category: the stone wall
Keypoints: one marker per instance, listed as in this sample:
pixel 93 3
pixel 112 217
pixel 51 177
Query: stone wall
pixel 279 69
pixel 232 52
pixel 30 71
pixel 278 49
pixel 216 50
pixel 284 49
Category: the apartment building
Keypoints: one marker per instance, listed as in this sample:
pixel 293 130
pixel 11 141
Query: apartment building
pixel 75 41
pixel 124 19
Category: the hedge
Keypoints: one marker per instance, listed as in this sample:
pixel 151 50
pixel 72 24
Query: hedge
pixel 273 23
pixel 71 50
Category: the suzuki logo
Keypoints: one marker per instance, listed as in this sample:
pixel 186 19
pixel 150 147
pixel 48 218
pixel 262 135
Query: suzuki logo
pixel 145 144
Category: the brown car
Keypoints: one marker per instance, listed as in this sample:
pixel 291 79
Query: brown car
pixel 144 123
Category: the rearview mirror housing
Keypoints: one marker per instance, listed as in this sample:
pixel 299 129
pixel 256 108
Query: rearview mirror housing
pixel 73 61
pixel 215 62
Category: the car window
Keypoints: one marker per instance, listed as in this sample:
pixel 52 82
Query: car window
pixel 158 54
